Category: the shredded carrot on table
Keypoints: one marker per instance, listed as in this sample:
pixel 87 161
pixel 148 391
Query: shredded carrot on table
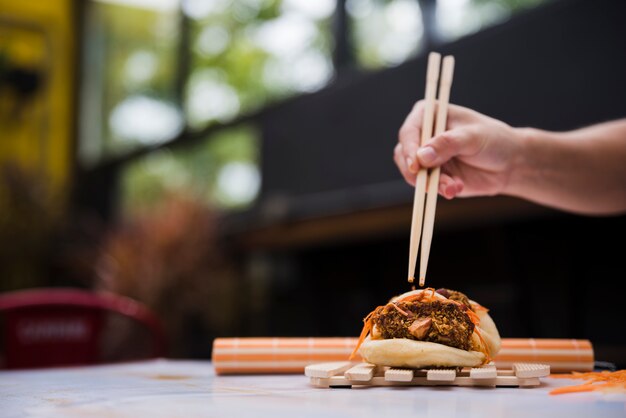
pixel 607 381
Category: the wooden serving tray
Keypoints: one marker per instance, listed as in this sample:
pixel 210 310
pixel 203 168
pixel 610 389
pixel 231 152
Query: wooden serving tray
pixel 347 374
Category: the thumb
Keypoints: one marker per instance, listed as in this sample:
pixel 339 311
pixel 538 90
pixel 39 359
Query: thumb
pixel 441 148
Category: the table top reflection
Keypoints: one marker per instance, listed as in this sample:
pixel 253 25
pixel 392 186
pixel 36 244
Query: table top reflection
pixel 168 388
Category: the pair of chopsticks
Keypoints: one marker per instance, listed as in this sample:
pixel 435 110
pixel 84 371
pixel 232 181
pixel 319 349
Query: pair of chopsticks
pixel 426 214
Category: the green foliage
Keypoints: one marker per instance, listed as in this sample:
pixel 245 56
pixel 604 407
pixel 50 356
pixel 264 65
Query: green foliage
pixel 193 170
pixel 125 33
pixel 122 32
pixel 512 5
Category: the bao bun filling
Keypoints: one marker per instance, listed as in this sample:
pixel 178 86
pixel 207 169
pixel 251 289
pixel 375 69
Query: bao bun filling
pixel 436 322
pixel 442 316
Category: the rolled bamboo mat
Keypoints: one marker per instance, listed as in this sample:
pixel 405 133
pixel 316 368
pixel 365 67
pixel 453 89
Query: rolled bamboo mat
pixel 292 355
pixel 563 355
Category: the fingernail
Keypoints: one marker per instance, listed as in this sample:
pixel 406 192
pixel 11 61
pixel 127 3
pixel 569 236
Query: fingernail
pixel 427 154
pixel 409 164
pixel 450 191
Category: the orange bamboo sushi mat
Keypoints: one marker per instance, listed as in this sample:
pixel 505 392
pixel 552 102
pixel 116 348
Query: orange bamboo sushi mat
pixel 292 355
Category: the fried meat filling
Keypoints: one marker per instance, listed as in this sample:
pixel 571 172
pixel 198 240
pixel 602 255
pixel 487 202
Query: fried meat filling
pixel 433 321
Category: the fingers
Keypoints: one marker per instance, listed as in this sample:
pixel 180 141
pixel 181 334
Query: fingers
pixel 409 136
pixel 447 145
pixel 450 187
pixel 400 160
pixel 459 140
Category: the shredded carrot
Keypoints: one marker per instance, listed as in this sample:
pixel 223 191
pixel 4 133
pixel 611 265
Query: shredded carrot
pixel 483 347
pixel 423 297
pixel 593 381
pixel 476 321
pixel 473 317
pixel 479 307
pixel 588 387
pixel 399 310
pixel 367 328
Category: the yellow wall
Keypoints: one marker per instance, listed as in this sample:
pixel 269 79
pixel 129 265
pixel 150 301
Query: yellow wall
pixel 37 135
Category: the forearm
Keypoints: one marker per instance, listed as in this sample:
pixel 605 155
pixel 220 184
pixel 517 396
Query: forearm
pixel 580 171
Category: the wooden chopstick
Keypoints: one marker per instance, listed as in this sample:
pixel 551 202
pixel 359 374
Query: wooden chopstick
pixel 432 77
pixel 445 83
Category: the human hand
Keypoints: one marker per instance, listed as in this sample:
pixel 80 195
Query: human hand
pixel 476 153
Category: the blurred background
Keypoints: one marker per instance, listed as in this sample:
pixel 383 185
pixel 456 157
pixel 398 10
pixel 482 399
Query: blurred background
pixel 228 163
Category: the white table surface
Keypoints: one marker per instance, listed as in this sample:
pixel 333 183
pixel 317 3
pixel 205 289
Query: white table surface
pixel 167 388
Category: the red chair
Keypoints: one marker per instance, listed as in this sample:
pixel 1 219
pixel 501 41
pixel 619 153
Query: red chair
pixel 54 327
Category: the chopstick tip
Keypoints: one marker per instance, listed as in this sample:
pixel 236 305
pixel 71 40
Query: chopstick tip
pixel 433 66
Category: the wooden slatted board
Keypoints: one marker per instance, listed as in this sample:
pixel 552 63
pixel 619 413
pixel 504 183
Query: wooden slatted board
pixel 346 375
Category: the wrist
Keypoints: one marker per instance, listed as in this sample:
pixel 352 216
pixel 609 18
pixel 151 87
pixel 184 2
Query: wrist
pixel 522 167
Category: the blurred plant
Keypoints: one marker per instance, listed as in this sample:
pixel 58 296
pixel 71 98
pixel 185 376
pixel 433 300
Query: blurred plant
pixel 169 257
pixel 256 52
pixel 131 72
pixel 30 216
pixel 242 55
pixel 40 244
pixel 219 171
pixel 512 5
pixel 385 32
